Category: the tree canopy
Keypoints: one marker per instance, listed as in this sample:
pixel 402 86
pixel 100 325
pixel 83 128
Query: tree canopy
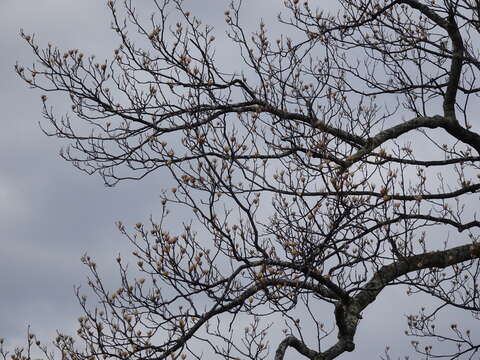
pixel 341 158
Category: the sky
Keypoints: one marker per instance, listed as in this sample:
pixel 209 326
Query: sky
pixel 51 214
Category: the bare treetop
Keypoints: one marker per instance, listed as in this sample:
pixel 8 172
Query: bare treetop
pixel 333 163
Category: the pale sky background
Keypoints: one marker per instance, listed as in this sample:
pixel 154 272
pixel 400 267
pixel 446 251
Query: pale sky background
pixel 51 214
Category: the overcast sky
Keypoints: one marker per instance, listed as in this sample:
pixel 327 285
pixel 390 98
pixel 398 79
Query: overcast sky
pixel 51 214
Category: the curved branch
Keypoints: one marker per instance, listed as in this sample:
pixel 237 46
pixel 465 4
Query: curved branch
pixel 298 345
pixel 434 259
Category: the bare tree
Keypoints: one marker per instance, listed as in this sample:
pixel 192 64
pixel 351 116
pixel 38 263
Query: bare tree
pixel 338 160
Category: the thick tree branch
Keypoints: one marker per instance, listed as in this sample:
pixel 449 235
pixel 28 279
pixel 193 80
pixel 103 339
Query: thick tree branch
pixel 435 259
pixel 292 341
pixel 437 121
pixel 457 54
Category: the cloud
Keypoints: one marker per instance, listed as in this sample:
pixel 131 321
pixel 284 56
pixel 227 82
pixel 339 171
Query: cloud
pixel 50 213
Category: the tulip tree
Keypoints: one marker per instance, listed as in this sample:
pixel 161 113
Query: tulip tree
pixel 340 157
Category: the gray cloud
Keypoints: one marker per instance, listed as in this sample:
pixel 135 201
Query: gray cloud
pixel 50 213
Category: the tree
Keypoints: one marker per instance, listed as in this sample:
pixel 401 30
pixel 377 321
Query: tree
pixel 332 165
